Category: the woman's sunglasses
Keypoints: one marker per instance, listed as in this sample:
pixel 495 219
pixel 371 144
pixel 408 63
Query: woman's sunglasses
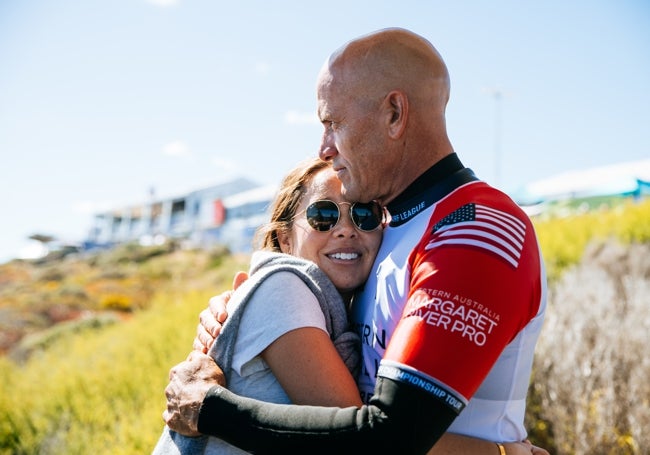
pixel 323 215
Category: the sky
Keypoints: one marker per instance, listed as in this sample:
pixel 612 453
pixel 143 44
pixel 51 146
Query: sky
pixel 103 101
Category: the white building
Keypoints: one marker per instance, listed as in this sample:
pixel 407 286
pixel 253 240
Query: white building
pixel 227 214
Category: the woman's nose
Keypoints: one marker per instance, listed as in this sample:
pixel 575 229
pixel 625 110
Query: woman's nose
pixel 345 227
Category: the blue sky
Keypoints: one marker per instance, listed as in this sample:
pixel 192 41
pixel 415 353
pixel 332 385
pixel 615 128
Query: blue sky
pixel 101 100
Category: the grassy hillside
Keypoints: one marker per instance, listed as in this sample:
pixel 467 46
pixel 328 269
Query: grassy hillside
pixel 89 341
pixel 94 383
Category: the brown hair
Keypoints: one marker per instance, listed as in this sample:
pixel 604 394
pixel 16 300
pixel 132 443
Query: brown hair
pixel 286 203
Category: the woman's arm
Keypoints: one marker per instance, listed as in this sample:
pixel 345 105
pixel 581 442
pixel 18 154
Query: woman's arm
pixel 310 370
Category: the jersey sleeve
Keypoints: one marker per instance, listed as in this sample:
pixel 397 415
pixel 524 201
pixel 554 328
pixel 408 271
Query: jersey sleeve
pixel 473 288
pixel 399 419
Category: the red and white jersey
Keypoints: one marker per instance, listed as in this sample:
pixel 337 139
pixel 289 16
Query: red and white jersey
pixel 454 306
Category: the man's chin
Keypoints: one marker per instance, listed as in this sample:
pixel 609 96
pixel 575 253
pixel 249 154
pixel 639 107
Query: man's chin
pixel 350 192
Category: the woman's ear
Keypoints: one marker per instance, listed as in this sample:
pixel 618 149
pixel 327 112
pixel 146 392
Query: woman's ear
pixel 284 239
pixel 397 102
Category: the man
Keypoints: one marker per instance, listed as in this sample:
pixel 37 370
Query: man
pixel 458 286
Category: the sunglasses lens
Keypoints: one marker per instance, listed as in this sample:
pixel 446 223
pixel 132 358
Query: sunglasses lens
pixel 367 217
pixel 322 215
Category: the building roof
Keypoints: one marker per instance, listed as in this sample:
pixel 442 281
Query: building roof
pixel 612 180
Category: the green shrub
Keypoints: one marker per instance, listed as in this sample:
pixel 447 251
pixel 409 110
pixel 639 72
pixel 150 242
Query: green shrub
pixel 563 240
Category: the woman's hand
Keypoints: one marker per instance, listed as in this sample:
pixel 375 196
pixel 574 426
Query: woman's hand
pixel 212 318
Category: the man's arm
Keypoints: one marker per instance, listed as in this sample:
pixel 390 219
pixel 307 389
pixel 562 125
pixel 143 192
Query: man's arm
pixel 194 378
pixel 387 425
pixel 399 418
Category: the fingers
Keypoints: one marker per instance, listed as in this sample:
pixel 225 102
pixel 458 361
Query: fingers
pixel 198 345
pixel 179 370
pixel 183 395
pixel 218 306
pixel 239 279
pixel 194 362
pixel 208 328
pixel 212 318
pixel 534 449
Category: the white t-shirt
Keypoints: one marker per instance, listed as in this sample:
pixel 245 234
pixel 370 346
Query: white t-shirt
pixel 281 303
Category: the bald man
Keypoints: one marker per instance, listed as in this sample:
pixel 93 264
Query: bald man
pixel 451 313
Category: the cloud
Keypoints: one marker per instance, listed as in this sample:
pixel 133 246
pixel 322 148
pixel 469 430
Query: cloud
pixel 177 148
pixel 301 118
pixel 163 3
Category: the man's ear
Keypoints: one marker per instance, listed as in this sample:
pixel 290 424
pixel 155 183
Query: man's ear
pixel 397 102
pixel 284 239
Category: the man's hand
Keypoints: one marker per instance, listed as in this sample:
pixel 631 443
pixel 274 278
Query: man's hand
pixel 212 318
pixel 189 382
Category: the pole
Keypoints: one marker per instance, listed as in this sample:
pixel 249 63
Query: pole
pixel 498 96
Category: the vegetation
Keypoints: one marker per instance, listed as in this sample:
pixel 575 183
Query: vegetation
pixel 91 385
pixel 90 340
pixel 589 391
pixel 564 239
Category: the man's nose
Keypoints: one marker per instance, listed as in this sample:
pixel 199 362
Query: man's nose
pixel 326 153
pixel 327 148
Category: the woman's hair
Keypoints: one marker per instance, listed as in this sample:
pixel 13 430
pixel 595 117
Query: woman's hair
pixel 286 203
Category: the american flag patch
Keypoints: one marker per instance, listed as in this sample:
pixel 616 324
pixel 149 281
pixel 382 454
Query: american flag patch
pixel 481 227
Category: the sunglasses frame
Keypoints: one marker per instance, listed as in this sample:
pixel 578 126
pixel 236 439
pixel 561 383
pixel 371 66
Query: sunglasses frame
pixel 338 218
